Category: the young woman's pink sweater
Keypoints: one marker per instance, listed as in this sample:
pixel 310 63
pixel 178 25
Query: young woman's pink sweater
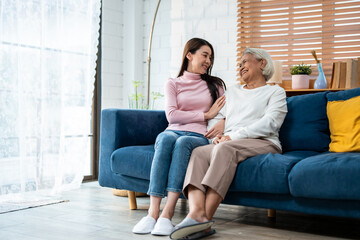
pixel 187 98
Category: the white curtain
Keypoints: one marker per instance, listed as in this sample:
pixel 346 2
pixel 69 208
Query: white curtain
pixel 48 51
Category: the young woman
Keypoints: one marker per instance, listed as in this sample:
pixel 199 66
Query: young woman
pixel 191 100
pixel 253 114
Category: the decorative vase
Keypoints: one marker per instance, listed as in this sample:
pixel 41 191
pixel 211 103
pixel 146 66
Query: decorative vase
pixel 320 82
pixel 300 81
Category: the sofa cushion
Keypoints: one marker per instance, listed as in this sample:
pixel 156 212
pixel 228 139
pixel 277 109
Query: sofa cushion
pixel 327 176
pixel 267 173
pixel 306 126
pixel 343 110
pixel 133 161
pixel 343 95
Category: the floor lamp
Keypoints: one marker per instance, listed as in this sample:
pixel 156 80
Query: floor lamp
pixel 149 55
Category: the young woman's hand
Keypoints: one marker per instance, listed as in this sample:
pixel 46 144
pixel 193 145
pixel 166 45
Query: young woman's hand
pixel 215 108
pixel 216 130
pixel 220 139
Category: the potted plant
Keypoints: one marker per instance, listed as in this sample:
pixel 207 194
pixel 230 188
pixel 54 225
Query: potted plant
pixel 300 76
pixel 136 100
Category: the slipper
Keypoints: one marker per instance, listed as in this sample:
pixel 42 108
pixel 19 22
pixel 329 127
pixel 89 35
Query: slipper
pixel 189 226
pixel 145 225
pixel 199 235
pixel 163 227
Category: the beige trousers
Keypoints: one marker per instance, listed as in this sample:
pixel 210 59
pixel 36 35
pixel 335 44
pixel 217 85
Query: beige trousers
pixel 214 166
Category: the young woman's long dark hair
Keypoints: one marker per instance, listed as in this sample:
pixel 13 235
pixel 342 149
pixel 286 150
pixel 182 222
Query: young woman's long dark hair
pixel 212 82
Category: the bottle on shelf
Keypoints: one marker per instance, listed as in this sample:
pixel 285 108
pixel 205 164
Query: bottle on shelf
pixel 320 82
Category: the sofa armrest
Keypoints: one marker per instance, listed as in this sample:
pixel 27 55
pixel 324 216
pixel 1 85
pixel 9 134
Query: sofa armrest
pixel 126 127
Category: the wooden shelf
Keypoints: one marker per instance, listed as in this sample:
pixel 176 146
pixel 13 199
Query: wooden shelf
pixel 295 92
pixel 286 84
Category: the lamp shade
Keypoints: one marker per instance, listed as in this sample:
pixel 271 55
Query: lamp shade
pixel 277 77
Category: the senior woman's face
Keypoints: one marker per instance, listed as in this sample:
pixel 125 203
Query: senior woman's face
pixel 249 66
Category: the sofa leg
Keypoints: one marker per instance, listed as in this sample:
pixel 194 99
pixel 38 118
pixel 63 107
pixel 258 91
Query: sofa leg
pixel 132 200
pixel 120 193
pixel 271 213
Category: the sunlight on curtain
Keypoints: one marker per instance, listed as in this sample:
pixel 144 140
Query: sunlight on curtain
pixel 47 70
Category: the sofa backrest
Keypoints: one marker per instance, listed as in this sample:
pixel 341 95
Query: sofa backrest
pixel 141 127
pixel 306 125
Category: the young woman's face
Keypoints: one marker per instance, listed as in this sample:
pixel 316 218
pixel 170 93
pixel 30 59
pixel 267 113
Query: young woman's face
pixel 200 61
pixel 250 67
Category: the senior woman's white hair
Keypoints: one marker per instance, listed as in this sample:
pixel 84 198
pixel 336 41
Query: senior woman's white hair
pixel 259 53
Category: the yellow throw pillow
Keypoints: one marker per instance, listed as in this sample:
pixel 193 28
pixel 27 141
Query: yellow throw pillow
pixel 344 123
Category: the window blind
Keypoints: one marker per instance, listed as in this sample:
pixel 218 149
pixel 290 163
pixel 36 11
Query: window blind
pixel 289 30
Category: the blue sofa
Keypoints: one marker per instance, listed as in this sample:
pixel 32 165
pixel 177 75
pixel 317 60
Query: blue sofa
pixel 306 178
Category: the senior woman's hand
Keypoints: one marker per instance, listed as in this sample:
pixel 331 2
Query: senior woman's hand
pixel 215 108
pixel 220 139
pixel 216 130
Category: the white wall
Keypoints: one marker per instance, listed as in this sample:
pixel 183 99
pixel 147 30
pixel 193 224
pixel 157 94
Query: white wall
pixel 112 73
pixel 177 21
pixel 133 47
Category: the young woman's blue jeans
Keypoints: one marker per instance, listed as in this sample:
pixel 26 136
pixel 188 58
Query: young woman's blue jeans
pixel 172 153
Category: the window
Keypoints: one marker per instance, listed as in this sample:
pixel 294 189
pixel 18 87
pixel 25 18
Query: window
pixel 290 30
pixel 47 66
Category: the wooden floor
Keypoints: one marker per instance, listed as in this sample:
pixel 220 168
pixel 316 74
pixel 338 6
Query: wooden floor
pixel 94 213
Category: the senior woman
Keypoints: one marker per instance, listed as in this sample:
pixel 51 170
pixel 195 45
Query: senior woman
pixel 253 115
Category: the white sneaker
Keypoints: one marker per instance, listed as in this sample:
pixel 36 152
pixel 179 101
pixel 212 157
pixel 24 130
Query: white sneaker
pixel 145 225
pixel 163 227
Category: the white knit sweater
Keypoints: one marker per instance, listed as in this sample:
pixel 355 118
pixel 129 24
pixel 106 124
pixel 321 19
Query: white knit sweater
pixel 253 113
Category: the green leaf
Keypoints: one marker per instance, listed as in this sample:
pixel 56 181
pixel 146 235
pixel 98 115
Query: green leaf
pixel 301 69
